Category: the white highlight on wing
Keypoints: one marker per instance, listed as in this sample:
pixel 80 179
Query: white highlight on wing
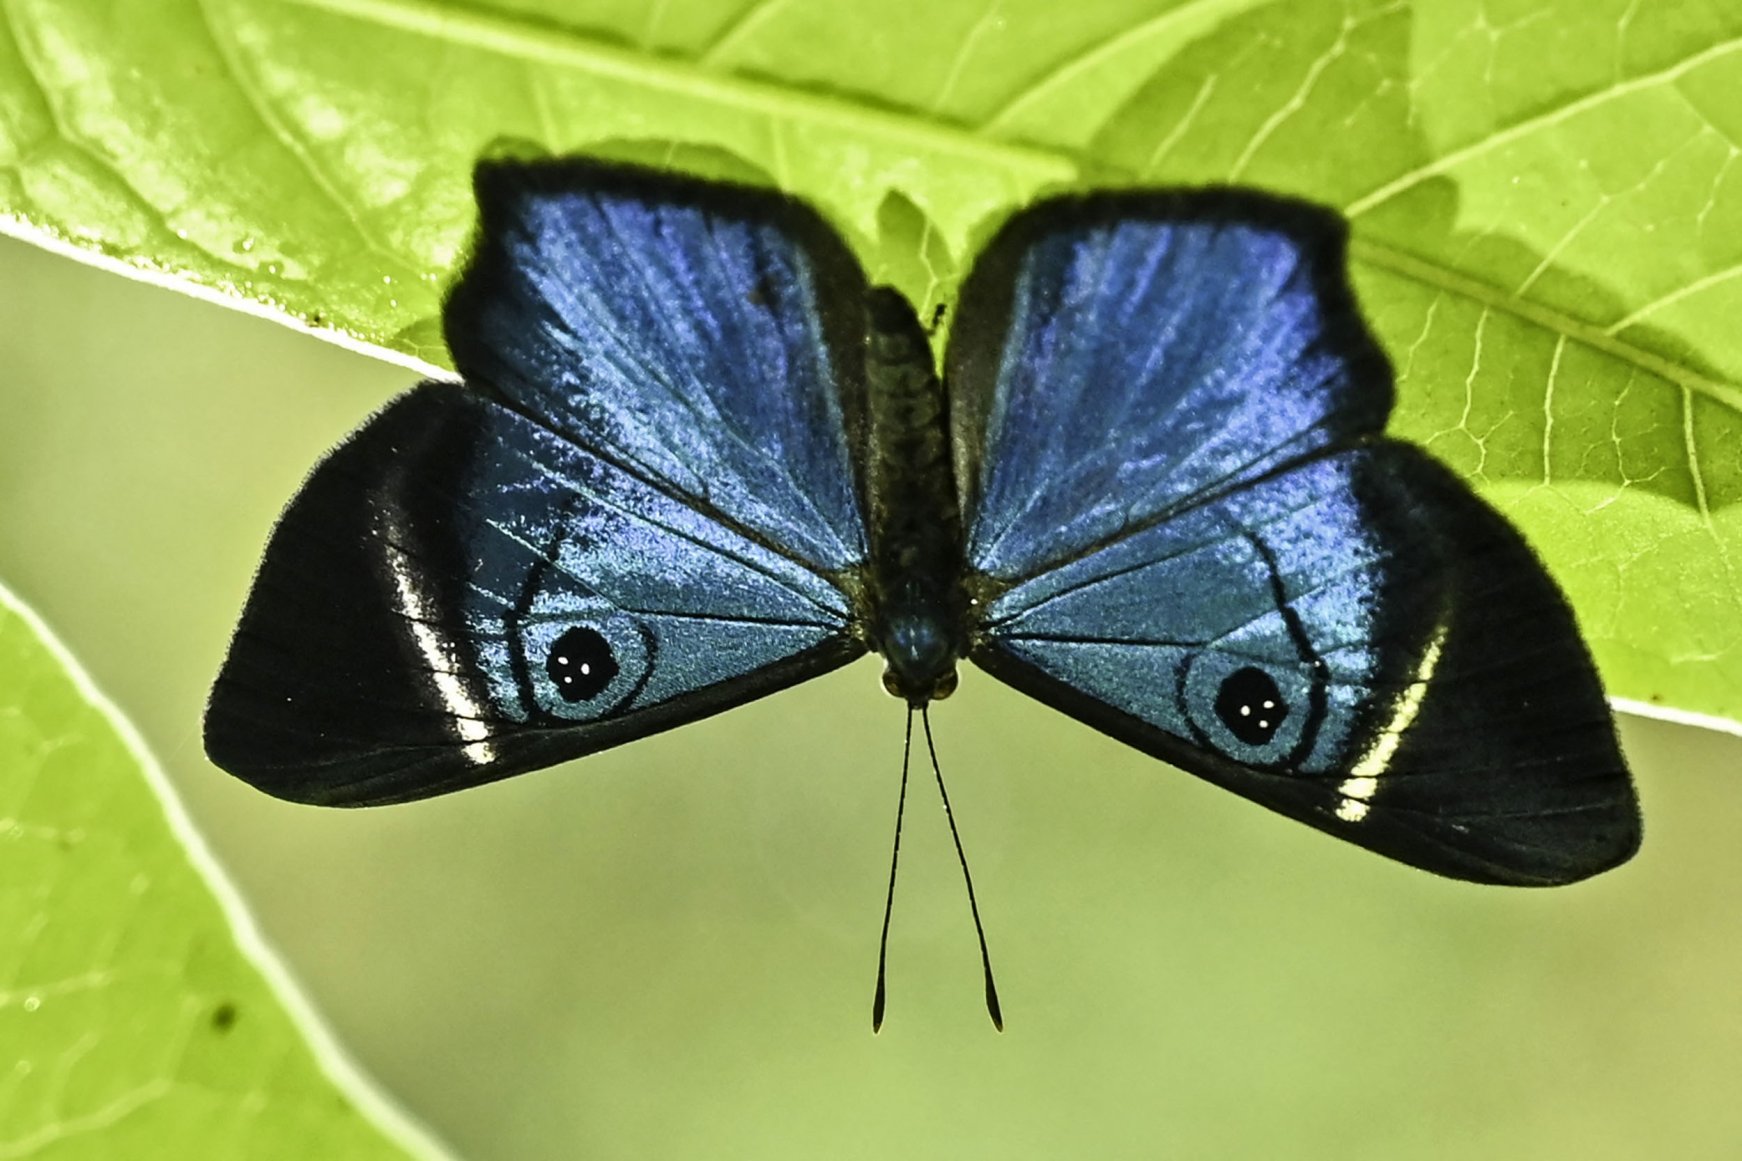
pixel 418 615
pixel 1358 788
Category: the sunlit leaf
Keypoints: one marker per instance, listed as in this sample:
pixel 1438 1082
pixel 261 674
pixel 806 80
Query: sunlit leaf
pixel 1547 217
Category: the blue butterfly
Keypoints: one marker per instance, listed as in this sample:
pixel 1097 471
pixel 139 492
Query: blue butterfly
pixel 697 459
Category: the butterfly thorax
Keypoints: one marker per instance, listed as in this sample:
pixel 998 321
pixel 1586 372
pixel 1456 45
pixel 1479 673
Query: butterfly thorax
pixel 917 605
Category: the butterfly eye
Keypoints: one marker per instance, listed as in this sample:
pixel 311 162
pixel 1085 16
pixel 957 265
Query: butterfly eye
pixel 579 669
pixel 581 664
pixel 1251 706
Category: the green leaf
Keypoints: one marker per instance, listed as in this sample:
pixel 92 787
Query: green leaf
pixel 140 1015
pixel 1547 234
pixel 1547 217
pixel 315 157
pixel 666 951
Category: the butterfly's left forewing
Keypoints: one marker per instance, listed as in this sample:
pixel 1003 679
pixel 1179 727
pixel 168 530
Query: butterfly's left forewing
pixel 641 507
pixel 1211 552
pixel 707 337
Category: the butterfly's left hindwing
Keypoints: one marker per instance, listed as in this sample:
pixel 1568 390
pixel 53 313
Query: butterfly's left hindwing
pixel 1208 550
pixel 457 595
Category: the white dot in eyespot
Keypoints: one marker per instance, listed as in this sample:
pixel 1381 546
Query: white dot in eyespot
pixel 562 660
pixel 1269 705
pixel 585 669
pixel 1245 711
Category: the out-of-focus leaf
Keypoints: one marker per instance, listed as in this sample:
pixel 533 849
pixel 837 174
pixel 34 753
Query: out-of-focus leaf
pixel 135 1009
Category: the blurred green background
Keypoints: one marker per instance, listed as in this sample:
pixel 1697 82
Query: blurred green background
pixel 668 950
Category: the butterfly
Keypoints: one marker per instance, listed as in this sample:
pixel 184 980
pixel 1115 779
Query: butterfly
pixel 696 458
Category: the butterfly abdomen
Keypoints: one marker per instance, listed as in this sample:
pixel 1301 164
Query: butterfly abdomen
pixel 916 596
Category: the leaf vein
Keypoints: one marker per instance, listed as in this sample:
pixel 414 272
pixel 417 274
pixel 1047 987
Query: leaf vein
pixel 1715 278
pixel 1095 55
pixel 261 105
pixel 1546 119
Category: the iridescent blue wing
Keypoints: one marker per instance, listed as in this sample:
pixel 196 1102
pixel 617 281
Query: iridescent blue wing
pixel 640 508
pixel 1116 357
pixel 710 337
pixel 1186 529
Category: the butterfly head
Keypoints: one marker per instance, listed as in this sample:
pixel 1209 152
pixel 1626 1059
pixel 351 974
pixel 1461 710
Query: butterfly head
pixel 920 655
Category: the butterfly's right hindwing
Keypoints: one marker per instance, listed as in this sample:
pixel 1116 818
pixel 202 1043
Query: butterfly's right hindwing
pixel 1358 643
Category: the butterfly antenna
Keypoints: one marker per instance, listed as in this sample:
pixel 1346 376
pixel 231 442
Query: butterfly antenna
pixel 889 901
pixel 992 1008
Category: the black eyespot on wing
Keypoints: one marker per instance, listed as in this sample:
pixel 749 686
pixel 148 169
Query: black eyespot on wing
pixel 1251 706
pixel 581 664
pixel 1257 706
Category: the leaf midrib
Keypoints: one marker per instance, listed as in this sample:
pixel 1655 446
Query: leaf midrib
pixel 1598 338
pixel 526 40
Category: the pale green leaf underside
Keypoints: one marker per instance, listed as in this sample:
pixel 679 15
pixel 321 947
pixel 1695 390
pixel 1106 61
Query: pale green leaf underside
pixel 1545 196
pixel 133 1023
